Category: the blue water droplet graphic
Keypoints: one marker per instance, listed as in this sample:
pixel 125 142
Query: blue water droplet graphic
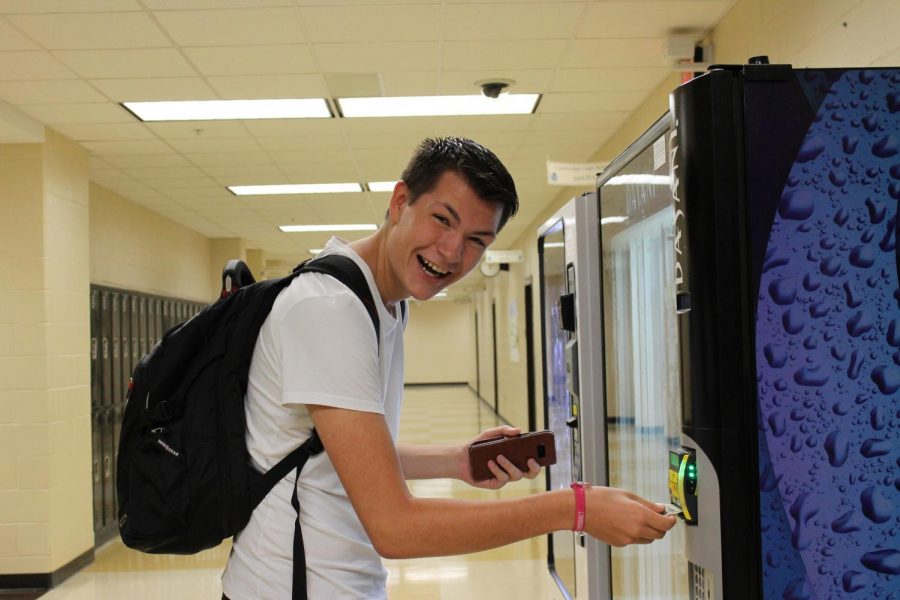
pixel 811 376
pixel 831 266
pixel 776 356
pixel 783 292
pixel 837 447
pixel 886 147
pixel 853 581
pixel 882 561
pixel 860 323
pixel 874 447
pixel 793 320
pixel 848 522
pixel 811 147
pixel 887 378
pixel 798 589
pixel 797 204
pixel 862 257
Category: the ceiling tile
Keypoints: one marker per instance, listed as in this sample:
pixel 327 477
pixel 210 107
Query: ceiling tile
pixel 618 53
pixel 55 114
pixel 105 132
pixel 11 39
pixel 209 4
pixel 153 88
pixel 91 30
pixel 66 6
pixel 161 62
pixel 607 80
pixel 119 147
pixel 125 161
pixel 528 81
pixel 224 159
pixel 526 20
pixel 383 23
pixel 377 57
pixel 498 55
pixel 39 92
pixel 193 129
pixel 243 27
pixel 650 19
pixel 32 66
pixel 201 145
pixel 269 86
pixel 591 101
pixel 254 60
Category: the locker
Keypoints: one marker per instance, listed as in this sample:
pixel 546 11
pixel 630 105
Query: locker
pixel 134 316
pixel 167 314
pixel 95 348
pixel 105 349
pixel 125 343
pixel 107 466
pixel 116 328
pixel 96 461
pixel 157 323
pixel 142 324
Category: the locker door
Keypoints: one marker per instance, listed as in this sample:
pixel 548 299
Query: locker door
pixel 116 316
pixel 96 439
pixel 134 316
pixel 142 324
pixel 166 315
pixel 106 395
pixel 158 323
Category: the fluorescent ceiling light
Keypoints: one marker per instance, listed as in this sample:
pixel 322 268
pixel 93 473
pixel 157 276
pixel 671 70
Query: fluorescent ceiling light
pixel 294 188
pixel 315 251
pixel 431 106
pixel 639 179
pixel 612 220
pixel 554 245
pixel 381 186
pixel 315 228
pixel 215 110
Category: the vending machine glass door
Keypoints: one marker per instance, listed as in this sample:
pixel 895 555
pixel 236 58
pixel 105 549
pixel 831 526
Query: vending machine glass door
pixel 557 399
pixel 641 356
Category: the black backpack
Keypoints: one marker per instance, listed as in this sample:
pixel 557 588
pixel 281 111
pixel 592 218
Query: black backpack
pixel 184 480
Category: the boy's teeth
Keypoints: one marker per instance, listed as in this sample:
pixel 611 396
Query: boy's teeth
pixel 430 266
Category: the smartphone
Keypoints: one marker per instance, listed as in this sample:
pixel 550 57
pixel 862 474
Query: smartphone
pixel 539 445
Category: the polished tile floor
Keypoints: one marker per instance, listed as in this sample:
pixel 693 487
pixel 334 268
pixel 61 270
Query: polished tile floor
pixel 442 414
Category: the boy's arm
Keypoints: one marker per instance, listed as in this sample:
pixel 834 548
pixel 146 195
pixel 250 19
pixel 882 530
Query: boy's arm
pixel 437 461
pixel 402 526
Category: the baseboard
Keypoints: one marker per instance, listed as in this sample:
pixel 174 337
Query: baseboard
pixel 436 384
pixel 43 581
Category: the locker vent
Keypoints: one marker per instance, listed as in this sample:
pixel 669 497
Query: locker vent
pixel 701 583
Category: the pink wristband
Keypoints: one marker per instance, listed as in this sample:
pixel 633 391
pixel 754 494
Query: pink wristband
pixel 579 487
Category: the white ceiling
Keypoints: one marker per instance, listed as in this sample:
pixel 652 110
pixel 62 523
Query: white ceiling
pixel 69 63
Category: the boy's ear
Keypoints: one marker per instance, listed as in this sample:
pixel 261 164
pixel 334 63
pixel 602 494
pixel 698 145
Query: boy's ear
pixel 399 200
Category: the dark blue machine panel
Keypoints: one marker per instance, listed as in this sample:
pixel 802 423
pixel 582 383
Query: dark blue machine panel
pixel 828 349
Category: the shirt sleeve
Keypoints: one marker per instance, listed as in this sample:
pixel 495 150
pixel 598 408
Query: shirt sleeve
pixel 329 354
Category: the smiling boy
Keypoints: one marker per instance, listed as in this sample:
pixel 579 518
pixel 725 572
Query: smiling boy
pixel 318 363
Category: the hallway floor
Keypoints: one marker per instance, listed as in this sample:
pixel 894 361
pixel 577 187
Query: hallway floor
pixel 439 414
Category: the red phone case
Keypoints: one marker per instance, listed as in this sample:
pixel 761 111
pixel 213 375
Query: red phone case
pixel 539 445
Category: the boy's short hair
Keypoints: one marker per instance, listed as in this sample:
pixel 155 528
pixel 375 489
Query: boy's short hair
pixel 478 166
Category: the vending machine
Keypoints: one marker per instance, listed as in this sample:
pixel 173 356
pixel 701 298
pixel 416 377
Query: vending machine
pixel 568 250
pixel 751 336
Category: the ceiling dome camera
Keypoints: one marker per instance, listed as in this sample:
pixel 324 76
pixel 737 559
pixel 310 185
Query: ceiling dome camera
pixel 493 89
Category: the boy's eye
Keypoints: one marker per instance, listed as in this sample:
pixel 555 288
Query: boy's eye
pixel 479 242
pixel 442 219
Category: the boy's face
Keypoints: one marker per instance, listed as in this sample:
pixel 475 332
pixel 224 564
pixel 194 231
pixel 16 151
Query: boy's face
pixel 438 239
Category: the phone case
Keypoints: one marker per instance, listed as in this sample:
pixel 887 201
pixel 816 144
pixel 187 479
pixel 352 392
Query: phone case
pixel 539 445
